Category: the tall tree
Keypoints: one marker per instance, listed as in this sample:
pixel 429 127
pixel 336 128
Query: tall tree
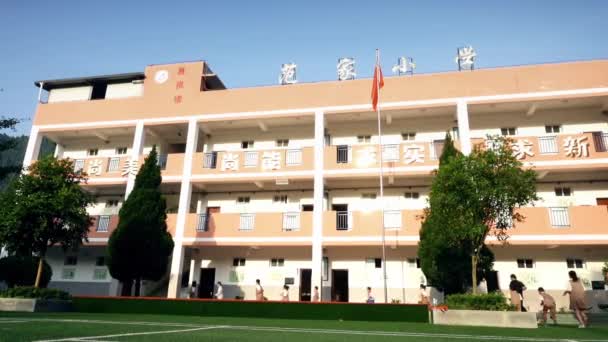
pixel 43 207
pixel 140 246
pixel 479 195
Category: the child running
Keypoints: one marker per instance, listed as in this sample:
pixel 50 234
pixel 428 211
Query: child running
pixel 548 304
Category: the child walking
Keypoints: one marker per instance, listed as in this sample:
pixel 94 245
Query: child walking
pixel 548 304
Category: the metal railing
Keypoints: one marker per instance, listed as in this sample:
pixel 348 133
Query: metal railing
pixel 103 223
pixel 210 160
pixel 202 224
pixel 390 153
pixel 342 155
pixel 600 140
pixel 293 157
pixel 78 165
pixel 559 217
pixel 547 145
pixel 246 221
pixel 114 164
pixel 251 159
pixel 392 219
pixel 291 221
pixel 343 220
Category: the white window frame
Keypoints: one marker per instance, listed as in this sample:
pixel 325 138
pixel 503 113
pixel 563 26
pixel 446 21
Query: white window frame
pixel 282 143
pixel 508 131
pixel 553 129
pixel 251 159
pixel 563 191
pixel 92 152
pixel 247 144
pixel 293 157
pixel 280 199
pixel 121 151
pixel 525 263
pixel 364 139
pixel 414 195
pixel 574 263
pixel 277 262
pixel 240 262
pixel 408 136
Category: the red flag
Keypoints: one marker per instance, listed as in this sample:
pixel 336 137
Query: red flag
pixel 378 84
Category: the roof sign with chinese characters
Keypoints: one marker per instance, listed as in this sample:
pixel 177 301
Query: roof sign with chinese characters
pixel 346 69
pixel 465 58
pixel 404 65
pixel 288 74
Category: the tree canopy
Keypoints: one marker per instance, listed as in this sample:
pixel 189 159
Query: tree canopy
pixel 43 207
pixel 471 198
pixel 140 246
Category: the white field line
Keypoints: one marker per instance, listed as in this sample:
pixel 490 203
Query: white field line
pixel 92 338
pixel 15 321
pixel 302 330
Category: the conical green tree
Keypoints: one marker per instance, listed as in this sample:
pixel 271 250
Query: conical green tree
pixel 140 246
pixel 449 150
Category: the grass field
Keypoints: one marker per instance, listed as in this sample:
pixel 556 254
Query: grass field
pixel 120 327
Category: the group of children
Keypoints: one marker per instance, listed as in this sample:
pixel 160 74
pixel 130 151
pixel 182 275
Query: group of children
pixel 575 290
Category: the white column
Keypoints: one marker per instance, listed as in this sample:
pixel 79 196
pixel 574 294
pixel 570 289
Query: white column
pixel 58 151
pixel 185 196
pixel 33 147
pixel 136 151
pixel 462 114
pixel 317 215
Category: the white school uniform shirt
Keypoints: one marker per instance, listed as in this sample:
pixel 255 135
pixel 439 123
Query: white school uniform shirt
pixel 285 294
pixel 220 292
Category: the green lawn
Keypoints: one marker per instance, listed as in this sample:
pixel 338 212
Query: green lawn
pixel 121 327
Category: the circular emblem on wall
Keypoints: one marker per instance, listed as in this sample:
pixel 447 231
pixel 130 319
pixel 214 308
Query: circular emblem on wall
pixel 161 76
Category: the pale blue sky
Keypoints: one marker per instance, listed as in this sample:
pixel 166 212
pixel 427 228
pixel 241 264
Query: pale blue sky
pixel 245 42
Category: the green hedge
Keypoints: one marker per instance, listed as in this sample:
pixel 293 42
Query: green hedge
pixel 32 292
pixel 495 301
pixel 236 308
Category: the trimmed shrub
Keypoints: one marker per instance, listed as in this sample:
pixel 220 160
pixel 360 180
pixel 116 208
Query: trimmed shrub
pixel 21 271
pixel 32 292
pixel 495 301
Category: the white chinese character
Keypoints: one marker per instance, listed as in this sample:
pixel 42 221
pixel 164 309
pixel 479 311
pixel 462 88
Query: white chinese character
pixel 522 148
pixel 413 154
pixel 271 161
pixel 346 69
pixel 288 74
pixel 230 161
pixel 576 147
pixel 404 65
pixel 130 167
pixel 366 156
pixel 95 167
pixel 466 58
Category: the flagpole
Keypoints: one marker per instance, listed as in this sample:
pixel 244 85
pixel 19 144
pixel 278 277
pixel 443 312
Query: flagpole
pixel 381 179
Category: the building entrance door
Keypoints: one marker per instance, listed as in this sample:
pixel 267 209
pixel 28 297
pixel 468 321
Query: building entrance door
pixel 305 278
pixel 207 282
pixel 339 285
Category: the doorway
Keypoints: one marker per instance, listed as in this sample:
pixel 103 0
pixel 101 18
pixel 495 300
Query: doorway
pixel 602 201
pixel 305 278
pixel 207 283
pixel 339 285
pixel 492 281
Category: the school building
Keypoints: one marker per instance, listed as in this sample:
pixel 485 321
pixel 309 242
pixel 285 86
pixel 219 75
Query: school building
pixel 280 183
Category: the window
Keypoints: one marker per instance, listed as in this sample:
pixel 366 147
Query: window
pixel 414 262
pixel 247 144
pixel 71 260
pixel 408 136
pixel 553 128
pixel 78 165
pixel 92 152
pixel 342 154
pixel 369 196
pixel 277 262
pixel 378 263
pixel 562 191
pixel 307 207
pixel 100 274
pixel 68 273
pixel 282 142
pixel 455 133
pixel 100 261
pixel 121 150
pixel 411 195
pixel 364 139
pixel 114 164
pixel 242 200
pixel 525 263
pixel 238 262
pixel 508 131
pixel 111 203
pixel 575 263
pixel 280 199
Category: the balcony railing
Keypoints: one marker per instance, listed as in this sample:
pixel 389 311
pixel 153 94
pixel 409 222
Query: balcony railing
pixel 114 164
pixel 600 140
pixel 251 159
pixel 210 160
pixel 390 153
pixel 392 219
pixel 162 161
pixel 342 155
pixel 246 221
pixel 559 217
pixel 103 223
pixel 291 221
pixel 548 145
pixel 343 220
pixel 293 157
pixel 202 223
